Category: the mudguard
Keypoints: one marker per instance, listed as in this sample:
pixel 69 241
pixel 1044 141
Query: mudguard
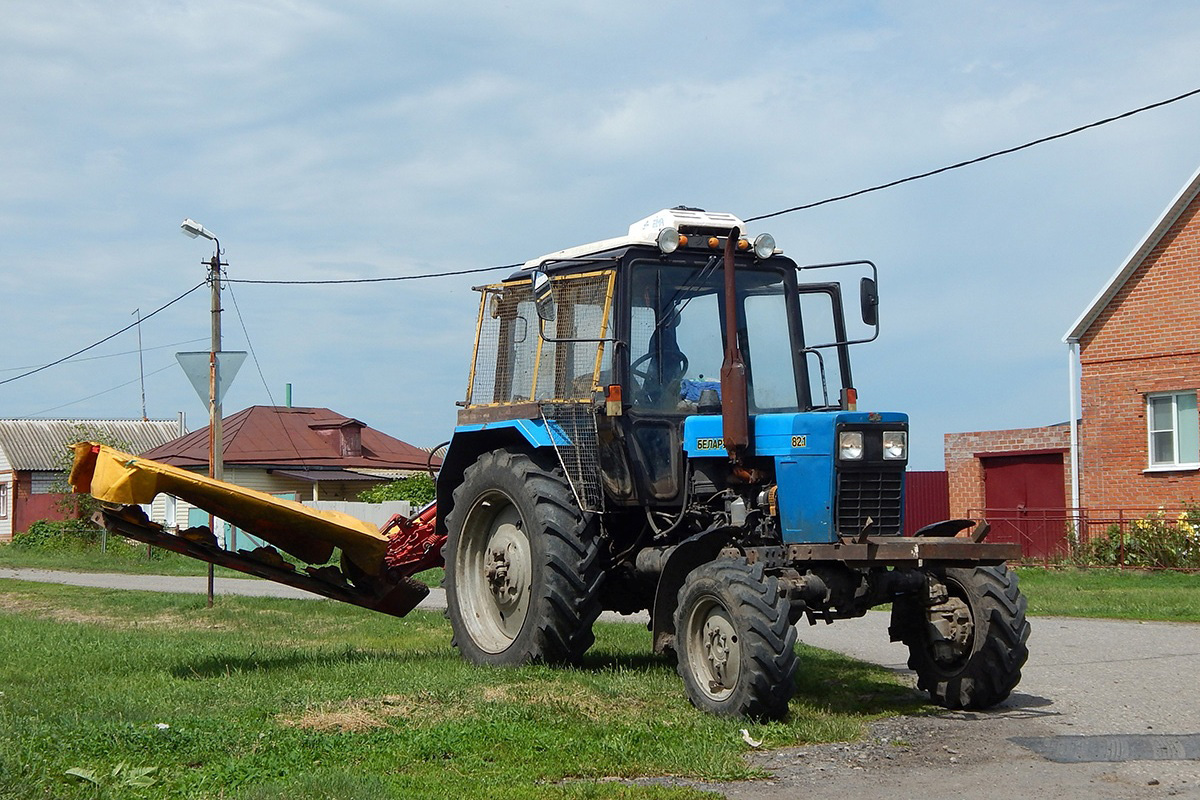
pixel 685 557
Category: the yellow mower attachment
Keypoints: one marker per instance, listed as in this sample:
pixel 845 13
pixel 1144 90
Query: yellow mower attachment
pixel 124 481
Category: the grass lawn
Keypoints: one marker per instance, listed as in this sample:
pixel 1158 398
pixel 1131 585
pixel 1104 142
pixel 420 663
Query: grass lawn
pixel 1111 593
pixel 120 557
pixel 264 698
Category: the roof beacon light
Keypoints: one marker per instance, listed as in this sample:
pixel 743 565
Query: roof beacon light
pixel 764 245
pixel 668 240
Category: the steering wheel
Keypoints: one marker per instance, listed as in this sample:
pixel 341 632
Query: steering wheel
pixel 674 365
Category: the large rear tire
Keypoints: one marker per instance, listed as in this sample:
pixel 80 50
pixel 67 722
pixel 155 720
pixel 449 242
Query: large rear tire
pixel 736 649
pixel 974 659
pixel 522 567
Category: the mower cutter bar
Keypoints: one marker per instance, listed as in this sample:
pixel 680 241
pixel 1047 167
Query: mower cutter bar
pixel 397 599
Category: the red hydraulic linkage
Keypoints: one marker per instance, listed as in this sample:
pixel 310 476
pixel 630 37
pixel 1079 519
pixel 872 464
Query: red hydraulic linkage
pixel 413 543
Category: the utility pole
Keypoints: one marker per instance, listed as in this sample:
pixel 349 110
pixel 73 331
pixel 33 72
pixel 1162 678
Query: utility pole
pixel 216 466
pixel 216 453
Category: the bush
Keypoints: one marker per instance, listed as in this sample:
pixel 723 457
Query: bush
pixel 58 535
pixel 417 489
pixel 79 537
pixel 1157 540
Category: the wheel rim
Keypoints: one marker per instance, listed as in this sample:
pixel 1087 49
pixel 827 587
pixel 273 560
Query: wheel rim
pixel 494 572
pixel 714 651
pixel 949 654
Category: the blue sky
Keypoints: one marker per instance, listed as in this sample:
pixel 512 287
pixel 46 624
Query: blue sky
pixel 371 139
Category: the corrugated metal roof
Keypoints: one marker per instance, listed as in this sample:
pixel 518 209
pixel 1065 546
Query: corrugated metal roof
pixel 40 444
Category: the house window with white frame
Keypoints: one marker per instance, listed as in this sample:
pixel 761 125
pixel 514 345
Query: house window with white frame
pixel 1174 430
pixel 3 501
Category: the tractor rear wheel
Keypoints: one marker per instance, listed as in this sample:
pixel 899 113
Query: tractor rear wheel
pixel 736 648
pixel 968 648
pixel 522 566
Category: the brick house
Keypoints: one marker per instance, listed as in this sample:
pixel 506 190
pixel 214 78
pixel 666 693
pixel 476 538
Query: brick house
pixel 1138 346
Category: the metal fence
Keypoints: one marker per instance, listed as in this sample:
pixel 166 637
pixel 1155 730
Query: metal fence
pixel 1144 538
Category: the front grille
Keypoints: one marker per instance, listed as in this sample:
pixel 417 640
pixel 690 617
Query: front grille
pixel 870 495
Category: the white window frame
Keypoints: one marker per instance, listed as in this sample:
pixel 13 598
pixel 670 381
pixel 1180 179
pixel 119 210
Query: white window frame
pixel 4 495
pixel 1175 464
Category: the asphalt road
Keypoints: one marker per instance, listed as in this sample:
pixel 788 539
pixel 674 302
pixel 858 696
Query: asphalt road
pixel 1105 709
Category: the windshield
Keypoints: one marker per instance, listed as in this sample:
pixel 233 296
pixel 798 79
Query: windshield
pixel 677 340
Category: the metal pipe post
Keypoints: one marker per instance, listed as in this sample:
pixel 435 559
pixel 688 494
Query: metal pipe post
pixel 216 466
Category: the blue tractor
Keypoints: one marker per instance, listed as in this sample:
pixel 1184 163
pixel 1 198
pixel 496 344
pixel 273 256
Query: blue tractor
pixel 666 421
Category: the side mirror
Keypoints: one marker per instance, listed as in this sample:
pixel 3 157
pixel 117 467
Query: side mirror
pixel 543 296
pixel 868 298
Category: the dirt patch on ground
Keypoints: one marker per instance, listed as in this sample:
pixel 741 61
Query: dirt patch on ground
pixel 361 714
pixel 29 605
pixel 578 699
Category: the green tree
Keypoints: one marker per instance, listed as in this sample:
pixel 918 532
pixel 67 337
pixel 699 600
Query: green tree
pixel 416 489
pixel 78 508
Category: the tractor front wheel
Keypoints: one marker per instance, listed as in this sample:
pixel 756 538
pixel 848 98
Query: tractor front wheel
pixel 522 567
pixel 966 642
pixel 736 649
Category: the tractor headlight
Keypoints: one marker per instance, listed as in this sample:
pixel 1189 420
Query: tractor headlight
pixel 895 445
pixel 668 240
pixel 764 245
pixel 850 445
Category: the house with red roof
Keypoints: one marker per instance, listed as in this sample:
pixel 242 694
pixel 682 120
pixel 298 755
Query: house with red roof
pixel 305 454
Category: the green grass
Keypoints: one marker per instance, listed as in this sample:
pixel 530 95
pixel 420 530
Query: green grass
pixel 270 698
pixel 1110 593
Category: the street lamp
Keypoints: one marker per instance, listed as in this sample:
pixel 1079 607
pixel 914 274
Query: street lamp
pixel 193 229
pixel 216 466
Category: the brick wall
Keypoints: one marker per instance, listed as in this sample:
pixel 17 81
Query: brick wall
pixel 964 469
pixel 1147 339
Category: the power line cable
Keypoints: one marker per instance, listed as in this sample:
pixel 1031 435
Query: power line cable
pixel 969 162
pixel 826 201
pixel 376 280
pixel 97 394
pixel 102 341
pixel 114 355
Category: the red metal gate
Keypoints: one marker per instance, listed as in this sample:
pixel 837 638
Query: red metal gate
pixel 926 499
pixel 1025 498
